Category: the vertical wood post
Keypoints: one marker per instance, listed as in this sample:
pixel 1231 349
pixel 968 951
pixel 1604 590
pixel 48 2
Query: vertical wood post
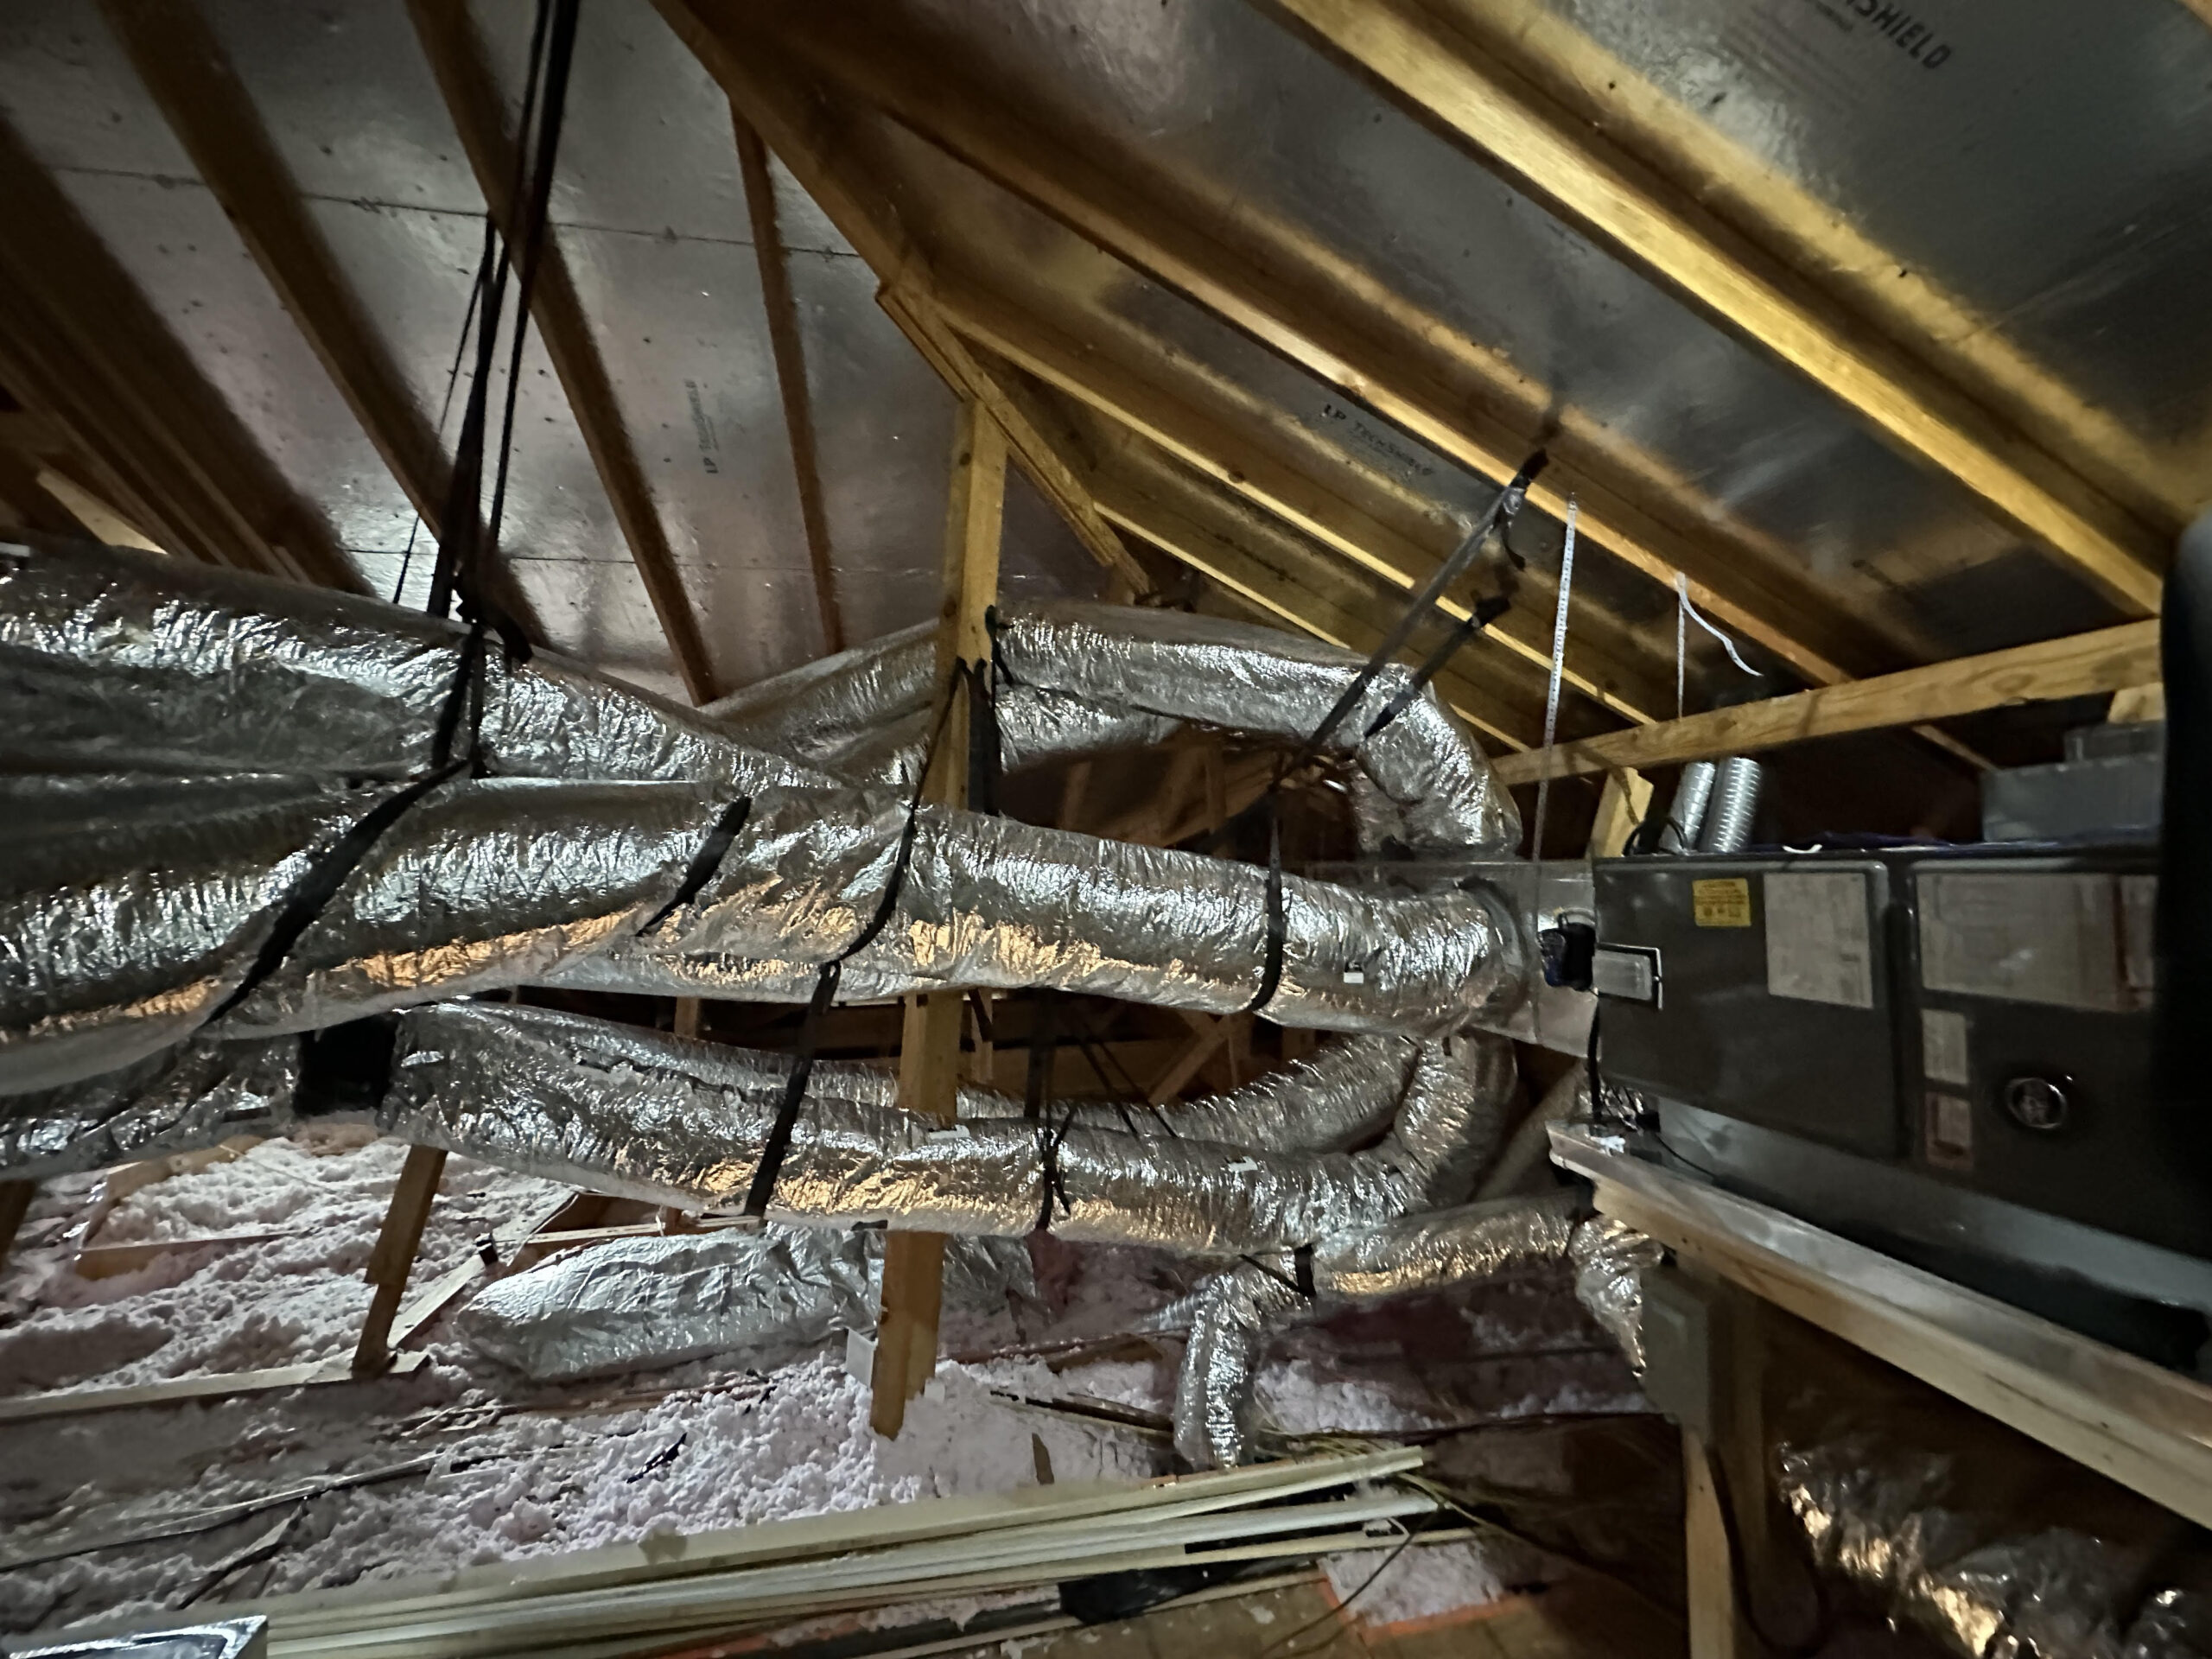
pixel 393 1258
pixel 1726 1575
pixel 929 1056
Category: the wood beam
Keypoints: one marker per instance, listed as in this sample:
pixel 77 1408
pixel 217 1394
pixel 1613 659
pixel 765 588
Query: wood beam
pixel 393 1257
pixel 2079 666
pixel 1599 94
pixel 1444 78
pixel 199 93
pixel 1333 317
pixel 929 1056
pixel 1198 533
pixel 473 102
pixel 1147 402
pixel 790 353
pixel 772 95
pixel 82 348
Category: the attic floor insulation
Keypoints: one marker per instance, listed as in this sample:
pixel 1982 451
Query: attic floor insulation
pixel 490 1465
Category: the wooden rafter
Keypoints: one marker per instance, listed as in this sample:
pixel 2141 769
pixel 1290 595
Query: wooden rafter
pixel 82 349
pixel 193 85
pixel 1697 158
pixel 2110 659
pixel 772 95
pixel 1333 318
pixel 457 58
pixel 1444 78
pixel 790 353
pixel 1145 401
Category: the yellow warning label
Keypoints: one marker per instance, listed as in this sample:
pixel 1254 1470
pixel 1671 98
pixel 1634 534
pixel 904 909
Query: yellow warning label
pixel 1725 902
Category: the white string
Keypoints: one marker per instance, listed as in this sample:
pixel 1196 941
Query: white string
pixel 1687 609
pixel 1559 665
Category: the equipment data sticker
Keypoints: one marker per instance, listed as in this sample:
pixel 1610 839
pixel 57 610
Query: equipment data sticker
pixel 1721 902
pixel 1818 948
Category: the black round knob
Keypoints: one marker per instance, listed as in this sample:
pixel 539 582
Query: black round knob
pixel 2038 1103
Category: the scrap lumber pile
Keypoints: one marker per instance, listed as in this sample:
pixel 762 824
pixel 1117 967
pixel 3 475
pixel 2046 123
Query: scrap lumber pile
pixel 645 1598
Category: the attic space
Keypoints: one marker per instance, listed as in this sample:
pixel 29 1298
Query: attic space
pixel 1096 829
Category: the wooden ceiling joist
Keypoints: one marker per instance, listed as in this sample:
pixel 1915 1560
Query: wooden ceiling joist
pixel 82 349
pixel 1330 316
pixel 789 351
pixel 1444 78
pixel 2111 659
pixel 458 59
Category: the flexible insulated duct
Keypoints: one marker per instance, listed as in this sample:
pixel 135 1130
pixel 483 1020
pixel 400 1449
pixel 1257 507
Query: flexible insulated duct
pixel 117 941
pixel 1082 678
pixel 626 1112
pixel 1735 808
pixel 292 896
pixel 1686 813
pixel 1903 1526
pixel 1232 1318
pixel 116 659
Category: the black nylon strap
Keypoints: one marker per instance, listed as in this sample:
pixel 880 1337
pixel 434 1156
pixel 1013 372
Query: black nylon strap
pixel 1278 918
pixel 1486 612
pixel 983 750
pixel 706 860
pixel 777 1145
pixel 314 890
pixel 1282 1278
pixel 1301 1267
pixel 1502 507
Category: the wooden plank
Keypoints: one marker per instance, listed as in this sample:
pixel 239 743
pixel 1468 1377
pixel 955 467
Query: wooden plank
pixel 393 1257
pixel 458 59
pixel 1444 77
pixel 199 93
pixel 1710 1588
pixel 766 91
pixel 1622 803
pixel 78 1402
pixel 2076 666
pixel 2146 1428
pixel 783 341
pixel 1147 402
pixel 929 1056
pixel 320 1612
pixel 1185 1066
pixel 1325 311
pixel 107 1260
pixel 83 349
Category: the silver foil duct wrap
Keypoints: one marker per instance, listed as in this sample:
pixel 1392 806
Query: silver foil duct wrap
pixel 642 1304
pixel 1234 1315
pixel 1345 1094
pixel 627 1112
pixel 1901 1525
pixel 116 940
pixel 127 660
pixel 633 1303
pixel 190 1097
pixel 989 901
pixel 1610 1261
pixel 1082 678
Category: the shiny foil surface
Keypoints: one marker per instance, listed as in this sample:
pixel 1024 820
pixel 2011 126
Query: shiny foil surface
pixel 193 1096
pixel 1610 1259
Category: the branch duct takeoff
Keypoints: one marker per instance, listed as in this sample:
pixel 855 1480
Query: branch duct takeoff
pixel 639 848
